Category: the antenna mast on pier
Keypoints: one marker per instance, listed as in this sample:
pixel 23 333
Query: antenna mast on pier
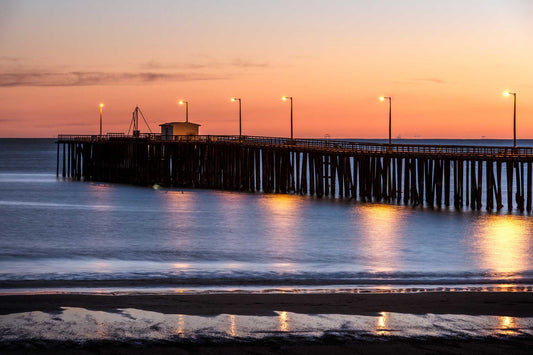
pixel 135 122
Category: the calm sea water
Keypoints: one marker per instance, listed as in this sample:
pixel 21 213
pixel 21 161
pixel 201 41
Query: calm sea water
pixel 55 229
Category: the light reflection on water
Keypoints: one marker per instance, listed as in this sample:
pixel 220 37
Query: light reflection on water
pixel 382 242
pixel 232 327
pixel 101 331
pixel 80 324
pixel 284 322
pixel 180 330
pixel 179 221
pixel 509 326
pixel 101 266
pixel 504 243
pixel 383 327
pixel 283 218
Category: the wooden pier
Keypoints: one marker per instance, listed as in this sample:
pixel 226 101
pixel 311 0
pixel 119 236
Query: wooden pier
pixel 435 176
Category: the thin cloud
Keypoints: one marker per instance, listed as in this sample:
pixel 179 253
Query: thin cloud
pixel 211 64
pixel 10 59
pixel 90 78
pixel 431 80
pixel 248 64
pixel 63 124
pixel 154 65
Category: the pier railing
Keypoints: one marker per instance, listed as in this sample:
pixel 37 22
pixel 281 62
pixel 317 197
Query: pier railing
pixel 319 144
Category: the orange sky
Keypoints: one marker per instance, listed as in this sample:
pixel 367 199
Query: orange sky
pixel 445 64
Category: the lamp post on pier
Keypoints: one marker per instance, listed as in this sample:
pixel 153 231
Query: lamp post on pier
pixel 284 98
pixel 181 102
pixel 382 98
pixel 508 93
pixel 240 126
pixel 101 107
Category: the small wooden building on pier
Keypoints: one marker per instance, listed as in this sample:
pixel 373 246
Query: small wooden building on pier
pixel 171 129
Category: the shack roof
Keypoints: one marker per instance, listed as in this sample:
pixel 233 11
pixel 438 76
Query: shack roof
pixel 179 123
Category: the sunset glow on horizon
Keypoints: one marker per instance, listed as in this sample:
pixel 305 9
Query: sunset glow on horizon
pixel 445 63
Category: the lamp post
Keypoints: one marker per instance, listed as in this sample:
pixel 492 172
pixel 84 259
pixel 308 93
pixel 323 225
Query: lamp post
pixel 240 122
pixel 508 93
pixel 186 109
pixel 284 98
pixel 101 107
pixel 382 98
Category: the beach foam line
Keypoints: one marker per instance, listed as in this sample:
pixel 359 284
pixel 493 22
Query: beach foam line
pixel 334 289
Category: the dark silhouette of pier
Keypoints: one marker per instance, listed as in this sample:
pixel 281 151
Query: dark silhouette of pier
pixel 413 174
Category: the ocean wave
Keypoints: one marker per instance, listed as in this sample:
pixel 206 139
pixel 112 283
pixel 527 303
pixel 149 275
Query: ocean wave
pixel 242 278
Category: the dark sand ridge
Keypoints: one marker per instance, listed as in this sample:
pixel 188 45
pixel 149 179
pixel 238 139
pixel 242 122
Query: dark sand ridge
pixel 324 346
pixel 514 304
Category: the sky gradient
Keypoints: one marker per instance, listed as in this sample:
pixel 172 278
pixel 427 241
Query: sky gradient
pixel 445 64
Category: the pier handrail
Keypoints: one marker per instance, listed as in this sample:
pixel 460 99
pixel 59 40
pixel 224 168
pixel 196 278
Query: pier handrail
pixel 321 144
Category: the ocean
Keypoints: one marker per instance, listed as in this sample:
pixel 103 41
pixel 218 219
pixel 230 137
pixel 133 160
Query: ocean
pixel 57 234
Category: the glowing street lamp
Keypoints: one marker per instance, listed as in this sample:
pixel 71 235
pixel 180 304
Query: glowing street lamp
pixel 238 99
pixel 508 93
pixel 285 98
pixel 101 107
pixel 383 98
pixel 181 102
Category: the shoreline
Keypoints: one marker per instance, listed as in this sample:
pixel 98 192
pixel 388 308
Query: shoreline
pixel 516 304
pixel 442 282
pixel 157 290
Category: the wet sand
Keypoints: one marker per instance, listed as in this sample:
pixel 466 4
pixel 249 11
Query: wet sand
pixel 515 304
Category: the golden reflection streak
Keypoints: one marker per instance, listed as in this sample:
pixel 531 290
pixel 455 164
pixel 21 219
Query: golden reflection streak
pixel 102 193
pixel 283 208
pixel 283 219
pixel 101 329
pixel 179 203
pixel 284 325
pixel 181 265
pixel 178 200
pixel 181 325
pixel 508 288
pixel 503 243
pixel 507 325
pixel 232 327
pixel 382 326
pixel 101 266
pixel 381 241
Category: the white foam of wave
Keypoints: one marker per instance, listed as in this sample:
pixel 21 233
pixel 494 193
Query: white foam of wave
pixel 53 204
pixel 23 178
